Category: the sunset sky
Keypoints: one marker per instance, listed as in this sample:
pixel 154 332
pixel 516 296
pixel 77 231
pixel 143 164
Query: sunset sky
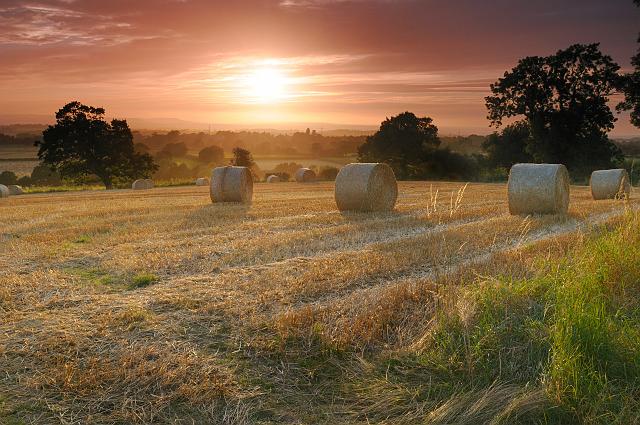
pixel 280 63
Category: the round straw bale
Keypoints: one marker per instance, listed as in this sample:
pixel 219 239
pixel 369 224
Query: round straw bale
pixel 4 191
pixel 305 175
pixel 273 179
pixel 202 181
pixel 610 184
pixel 231 184
pixel 538 189
pixel 142 184
pixel 366 187
pixel 14 189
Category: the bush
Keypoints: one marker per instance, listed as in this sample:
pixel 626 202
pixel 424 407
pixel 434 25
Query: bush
pixel 442 164
pixel 498 174
pixel 43 175
pixel 287 167
pixel 8 177
pixel 327 173
pixel 172 170
pixel 24 181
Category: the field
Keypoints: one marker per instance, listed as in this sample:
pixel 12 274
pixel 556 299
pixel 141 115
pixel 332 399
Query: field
pixel 158 306
pixel 22 160
pixel 19 159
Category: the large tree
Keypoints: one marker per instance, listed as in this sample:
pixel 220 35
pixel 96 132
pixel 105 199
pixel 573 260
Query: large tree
pixel 82 143
pixel 631 88
pixel 402 142
pixel 563 98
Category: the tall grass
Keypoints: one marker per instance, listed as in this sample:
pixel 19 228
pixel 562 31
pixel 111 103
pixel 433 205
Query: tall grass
pixel 573 330
pixel 594 366
pixel 559 346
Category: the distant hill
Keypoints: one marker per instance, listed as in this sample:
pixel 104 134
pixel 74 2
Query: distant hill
pixel 629 147
pixel 22 129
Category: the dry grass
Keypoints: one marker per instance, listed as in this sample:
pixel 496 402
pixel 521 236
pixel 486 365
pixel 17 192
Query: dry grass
pixel 159 306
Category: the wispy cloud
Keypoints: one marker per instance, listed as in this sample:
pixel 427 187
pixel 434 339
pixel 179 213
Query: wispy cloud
pixel 324 3
pixel 42 25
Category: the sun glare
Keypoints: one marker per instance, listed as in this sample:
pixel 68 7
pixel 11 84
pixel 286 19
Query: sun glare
pixel 266 85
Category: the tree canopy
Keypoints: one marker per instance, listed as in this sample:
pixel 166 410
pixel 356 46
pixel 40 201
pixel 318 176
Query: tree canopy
pixel 410 145
pixel 402 142
pixel 631 88
pixel 242 158
pixel 82 143
pixel 563 98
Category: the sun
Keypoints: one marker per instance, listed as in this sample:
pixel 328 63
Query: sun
pixel 266 85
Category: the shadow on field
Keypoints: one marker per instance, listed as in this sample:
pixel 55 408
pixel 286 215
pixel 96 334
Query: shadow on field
pixel 361 217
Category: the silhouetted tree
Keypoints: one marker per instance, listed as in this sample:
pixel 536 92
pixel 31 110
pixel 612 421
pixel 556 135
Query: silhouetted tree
pixel 510 146
pixel 631 88
pixel 211 154
pixel 402 142
pixel 242 158
pixel 564 100
pixel 83 143
pixel 8 177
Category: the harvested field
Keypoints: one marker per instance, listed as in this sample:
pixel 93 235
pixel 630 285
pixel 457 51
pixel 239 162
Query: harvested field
pixel 159 306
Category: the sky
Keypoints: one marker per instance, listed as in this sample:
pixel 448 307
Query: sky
pixel 280 63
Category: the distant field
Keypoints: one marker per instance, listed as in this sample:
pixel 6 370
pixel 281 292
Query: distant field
pixel 20 167
pixel 22 160
pixel 159 306
pixel 18 152
pixel 19 159
pixel 269 163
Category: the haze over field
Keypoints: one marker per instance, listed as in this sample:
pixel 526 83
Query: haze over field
pixel 287 63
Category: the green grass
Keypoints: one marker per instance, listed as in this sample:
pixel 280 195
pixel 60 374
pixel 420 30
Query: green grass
pixel 9 413
pixel 572 332
pixel 143 280
pixel 62 188
pixel 75 188
pixel 594 368
pixel 94 276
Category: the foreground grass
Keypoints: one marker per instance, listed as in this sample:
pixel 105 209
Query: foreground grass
pixel 558 346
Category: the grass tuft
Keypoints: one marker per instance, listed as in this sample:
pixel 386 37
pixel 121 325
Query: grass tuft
pixel 142 280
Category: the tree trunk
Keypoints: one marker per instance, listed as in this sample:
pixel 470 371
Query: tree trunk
pixel 108 184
